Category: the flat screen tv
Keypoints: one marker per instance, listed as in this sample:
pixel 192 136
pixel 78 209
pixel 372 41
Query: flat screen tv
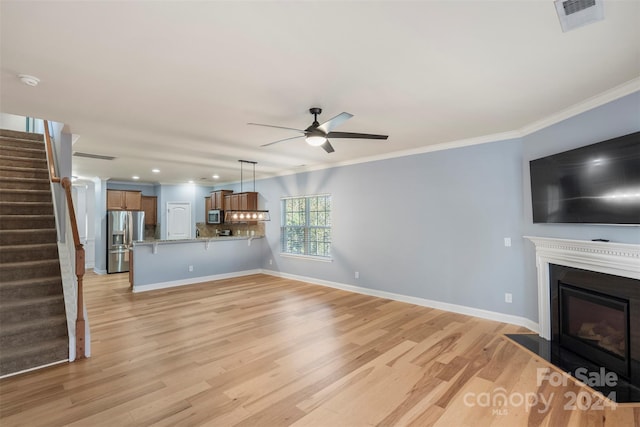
pixel 595 184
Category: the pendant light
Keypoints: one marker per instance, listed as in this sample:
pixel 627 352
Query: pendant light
pixel 247 215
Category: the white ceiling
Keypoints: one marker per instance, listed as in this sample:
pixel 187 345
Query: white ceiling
pixel 173 84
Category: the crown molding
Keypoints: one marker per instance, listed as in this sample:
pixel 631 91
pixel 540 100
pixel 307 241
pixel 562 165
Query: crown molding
pixel 589 104
pixel 610 95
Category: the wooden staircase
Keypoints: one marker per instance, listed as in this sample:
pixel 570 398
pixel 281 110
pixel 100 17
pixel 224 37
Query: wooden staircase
pixel 33 324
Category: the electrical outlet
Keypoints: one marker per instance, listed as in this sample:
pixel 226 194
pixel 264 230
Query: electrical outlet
pixel 507 241
pixel 508 298
pixel 357 274
pixel 191 268
pixel 270 262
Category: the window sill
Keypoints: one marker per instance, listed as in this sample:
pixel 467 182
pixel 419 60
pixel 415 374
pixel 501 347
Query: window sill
pixel 307 257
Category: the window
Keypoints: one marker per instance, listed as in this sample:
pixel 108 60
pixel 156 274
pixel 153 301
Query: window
pixel 306 226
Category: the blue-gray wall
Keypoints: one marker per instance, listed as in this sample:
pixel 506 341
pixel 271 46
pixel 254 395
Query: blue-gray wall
pixel 171 261
pixel 433 225
pixel 100 224
pixel 429 225
pixel 146 189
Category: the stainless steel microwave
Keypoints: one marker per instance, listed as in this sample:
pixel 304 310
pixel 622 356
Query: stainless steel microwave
pixel 215 216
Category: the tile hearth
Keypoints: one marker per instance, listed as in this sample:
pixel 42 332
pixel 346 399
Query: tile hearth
pixel 568 361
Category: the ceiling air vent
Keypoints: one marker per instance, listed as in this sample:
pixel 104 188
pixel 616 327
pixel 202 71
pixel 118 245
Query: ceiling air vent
pixel 576 13
pixel 92 156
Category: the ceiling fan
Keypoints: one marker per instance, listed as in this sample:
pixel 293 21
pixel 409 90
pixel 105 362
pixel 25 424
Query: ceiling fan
pixel 318 134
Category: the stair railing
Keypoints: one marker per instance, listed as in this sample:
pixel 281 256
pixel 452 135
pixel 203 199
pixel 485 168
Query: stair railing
pixel 79 248
pixel 49 147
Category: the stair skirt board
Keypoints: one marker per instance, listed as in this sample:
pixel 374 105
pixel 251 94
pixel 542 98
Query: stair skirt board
pixel 12 374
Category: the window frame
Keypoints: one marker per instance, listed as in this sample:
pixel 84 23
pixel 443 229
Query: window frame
pixel 307 227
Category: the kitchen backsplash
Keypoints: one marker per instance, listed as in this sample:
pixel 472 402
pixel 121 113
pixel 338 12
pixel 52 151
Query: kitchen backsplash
pixel 249 230
pixel 151 232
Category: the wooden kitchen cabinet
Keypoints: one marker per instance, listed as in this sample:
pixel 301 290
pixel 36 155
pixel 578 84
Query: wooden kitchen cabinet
pixel 124 200
pixel 133 200
pixel 150 208
pixel 242 201
pixel 248 201
pixel 208 205
pixel 114 200
pixel 232 202
pixel 218 199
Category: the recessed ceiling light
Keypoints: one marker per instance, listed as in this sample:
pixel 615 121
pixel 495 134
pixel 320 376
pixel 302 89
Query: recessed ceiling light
pixel 29 80
pixel 135 177
pixel 190 181
pixel 155 170
pixel 216 176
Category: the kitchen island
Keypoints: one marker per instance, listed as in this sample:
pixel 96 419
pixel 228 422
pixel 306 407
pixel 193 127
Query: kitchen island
pixel 159 264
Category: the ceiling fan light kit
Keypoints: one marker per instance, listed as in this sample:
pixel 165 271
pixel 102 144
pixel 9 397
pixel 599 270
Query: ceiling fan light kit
pixel 318 135
pixel 316 140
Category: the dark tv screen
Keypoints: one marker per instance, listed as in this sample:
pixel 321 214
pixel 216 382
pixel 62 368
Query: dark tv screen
pixel 595 184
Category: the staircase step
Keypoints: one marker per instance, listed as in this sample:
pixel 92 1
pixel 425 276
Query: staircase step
pixel 23 172
pixel 23 237
pixel 15 134
pixel 22 162
pixel 18 195
pixel 30 288
pixel 33 326
pixel 26 208
pixel 24 152
pixel 19 253
pixel 35 330
pixel 16 311
pixel 21 222
pixel 6 142
pixel 29 269
pixel 24 183
pixel 16 359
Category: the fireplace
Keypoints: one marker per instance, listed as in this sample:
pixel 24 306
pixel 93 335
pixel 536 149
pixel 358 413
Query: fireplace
pixel 591 315
pixel 589 311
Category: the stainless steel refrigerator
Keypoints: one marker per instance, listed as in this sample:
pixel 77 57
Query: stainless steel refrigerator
pixel 123 228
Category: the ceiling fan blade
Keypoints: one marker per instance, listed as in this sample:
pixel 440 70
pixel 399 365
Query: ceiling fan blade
pixel 277 127
pixel 281 140
pixel 356 135
pixel 330 124
pixel 327 147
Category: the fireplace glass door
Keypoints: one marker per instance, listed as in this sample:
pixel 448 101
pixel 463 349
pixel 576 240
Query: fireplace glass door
pixel 595 326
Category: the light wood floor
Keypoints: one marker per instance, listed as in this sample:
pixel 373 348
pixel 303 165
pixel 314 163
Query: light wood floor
pixel 264 351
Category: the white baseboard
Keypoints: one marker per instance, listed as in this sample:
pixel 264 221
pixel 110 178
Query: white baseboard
pixel 193 280
pixel 455 308
pixel 99 271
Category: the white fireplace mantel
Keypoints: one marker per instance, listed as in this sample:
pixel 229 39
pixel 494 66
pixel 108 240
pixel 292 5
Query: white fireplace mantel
pixel 619 259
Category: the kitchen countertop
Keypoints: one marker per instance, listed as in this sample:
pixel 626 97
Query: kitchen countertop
pixel 198 239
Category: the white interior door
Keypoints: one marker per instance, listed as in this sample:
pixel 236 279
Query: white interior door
pixel 178 220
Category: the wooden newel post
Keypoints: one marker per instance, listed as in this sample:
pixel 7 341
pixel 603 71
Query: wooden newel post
pixel 67 185
pixel 80 326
